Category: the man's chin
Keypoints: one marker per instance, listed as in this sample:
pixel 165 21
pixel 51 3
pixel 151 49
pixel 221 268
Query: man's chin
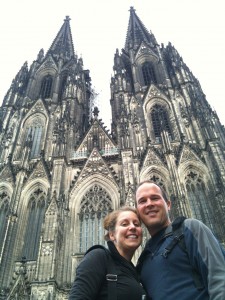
pixel 153 221
pixel 154 224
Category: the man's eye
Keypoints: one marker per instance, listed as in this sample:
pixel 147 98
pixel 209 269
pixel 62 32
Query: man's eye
pixel 141 201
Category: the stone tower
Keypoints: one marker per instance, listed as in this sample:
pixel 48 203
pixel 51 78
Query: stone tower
pixel 61 171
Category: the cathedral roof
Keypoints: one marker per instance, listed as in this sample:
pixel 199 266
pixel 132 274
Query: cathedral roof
pixel 137 32
pixel 62 45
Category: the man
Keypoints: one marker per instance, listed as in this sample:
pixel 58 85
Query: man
pixel 194 273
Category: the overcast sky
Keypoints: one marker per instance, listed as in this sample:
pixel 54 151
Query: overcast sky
pixel 196 28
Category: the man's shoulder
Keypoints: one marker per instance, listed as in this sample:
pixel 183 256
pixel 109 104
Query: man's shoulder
pixel 189 227
pixel 187 222
pixel 194 224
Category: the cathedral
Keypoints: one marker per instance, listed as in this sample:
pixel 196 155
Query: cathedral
pixel 62 171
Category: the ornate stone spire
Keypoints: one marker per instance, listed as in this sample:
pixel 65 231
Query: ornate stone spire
pixel 137 32
pixel 62 46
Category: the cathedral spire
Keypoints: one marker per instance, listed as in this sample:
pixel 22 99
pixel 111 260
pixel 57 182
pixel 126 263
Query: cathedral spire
pixel 62 46
pixel 137 32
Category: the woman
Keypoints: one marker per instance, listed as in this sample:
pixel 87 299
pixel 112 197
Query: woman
pixel 124 236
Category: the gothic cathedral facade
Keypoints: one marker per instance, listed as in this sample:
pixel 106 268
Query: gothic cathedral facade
pixel 61 171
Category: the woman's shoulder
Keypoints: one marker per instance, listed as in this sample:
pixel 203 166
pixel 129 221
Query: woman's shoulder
pixel 98 250
pixel 97 253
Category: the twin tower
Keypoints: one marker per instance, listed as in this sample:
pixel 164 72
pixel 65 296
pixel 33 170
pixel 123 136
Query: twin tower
pixel 61 171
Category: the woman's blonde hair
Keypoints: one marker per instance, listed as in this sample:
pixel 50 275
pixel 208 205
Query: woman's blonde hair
pixel 111 219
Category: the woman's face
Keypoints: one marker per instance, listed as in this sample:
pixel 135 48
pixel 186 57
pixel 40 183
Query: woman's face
pixel 127 235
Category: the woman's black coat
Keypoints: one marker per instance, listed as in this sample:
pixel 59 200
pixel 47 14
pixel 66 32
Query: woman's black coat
pixel 90 282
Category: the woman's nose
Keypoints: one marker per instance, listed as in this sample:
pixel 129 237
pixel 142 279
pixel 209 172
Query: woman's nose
pixel 132 226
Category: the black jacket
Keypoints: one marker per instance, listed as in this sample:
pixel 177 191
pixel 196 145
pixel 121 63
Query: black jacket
pixel 90 282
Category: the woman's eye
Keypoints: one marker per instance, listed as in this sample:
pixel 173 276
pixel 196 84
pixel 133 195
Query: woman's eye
pixel 124 224
pixel 137 224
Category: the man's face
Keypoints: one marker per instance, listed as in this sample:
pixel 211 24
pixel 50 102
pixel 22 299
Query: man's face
pixel 152 207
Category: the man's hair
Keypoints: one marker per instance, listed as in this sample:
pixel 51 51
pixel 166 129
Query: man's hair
pixel 164 194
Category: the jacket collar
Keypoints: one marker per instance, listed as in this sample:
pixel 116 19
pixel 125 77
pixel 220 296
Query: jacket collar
pixel 160 235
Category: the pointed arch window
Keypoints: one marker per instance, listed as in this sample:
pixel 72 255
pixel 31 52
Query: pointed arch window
pixel 160 121
pixel 36 211
pixel 62 85
pixel 4 213
pixel 198 195
pixel 46 87
pixel 157 179
pixel 95 205
pixel 34 134
pixel 148 73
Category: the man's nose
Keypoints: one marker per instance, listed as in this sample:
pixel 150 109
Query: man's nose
pixel 149 202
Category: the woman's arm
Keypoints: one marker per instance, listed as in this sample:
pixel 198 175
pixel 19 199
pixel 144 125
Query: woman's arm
pixel 90 276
